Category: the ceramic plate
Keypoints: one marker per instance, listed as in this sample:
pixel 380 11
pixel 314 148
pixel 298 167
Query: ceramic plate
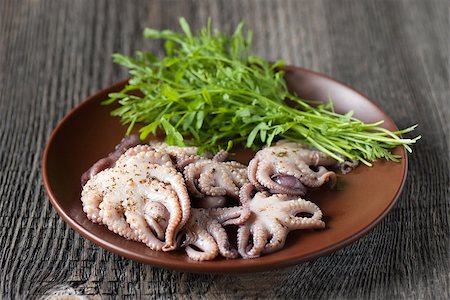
pixel 88 133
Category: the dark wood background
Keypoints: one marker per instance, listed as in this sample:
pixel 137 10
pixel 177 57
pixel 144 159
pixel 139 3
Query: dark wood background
pixel 55 53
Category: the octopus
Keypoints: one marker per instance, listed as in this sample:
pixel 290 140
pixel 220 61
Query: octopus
pixel 208 178
pixel 109 161
pixel 183 156
pixel 143 193
pixel 289 168
pixel 272 218
pixel 212 181
pixel 205 234
pixel 142 198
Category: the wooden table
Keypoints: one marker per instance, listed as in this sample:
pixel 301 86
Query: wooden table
pixel 55 53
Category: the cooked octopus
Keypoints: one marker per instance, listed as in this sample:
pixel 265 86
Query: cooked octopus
pixel 272 218
pixel 142 192
pixel 183 156
pixel 212 181
pixel 141 198
pixel 205 233
pixel 109 161
pixel 289 168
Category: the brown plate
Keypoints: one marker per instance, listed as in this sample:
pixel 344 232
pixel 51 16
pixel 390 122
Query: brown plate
pixel 88 133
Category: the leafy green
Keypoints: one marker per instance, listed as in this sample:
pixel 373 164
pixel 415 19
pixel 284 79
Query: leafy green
pixel 209 90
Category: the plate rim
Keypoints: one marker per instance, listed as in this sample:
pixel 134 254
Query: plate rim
pixel 198 267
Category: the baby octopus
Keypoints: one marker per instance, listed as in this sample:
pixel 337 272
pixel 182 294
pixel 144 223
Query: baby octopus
pixel 205 233
pixel 289 167
pixel 142 198
pixel 211 181
pixel 272 217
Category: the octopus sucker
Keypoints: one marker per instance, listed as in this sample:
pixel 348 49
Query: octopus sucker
pixel 289 168
pixel 271 219
pixel 91 200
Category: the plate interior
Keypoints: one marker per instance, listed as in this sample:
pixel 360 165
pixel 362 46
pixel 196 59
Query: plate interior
pixel 89 133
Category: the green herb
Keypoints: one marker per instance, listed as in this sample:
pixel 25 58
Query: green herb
pixel 210 91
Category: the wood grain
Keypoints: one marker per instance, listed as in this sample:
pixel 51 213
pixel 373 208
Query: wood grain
pixel 55 53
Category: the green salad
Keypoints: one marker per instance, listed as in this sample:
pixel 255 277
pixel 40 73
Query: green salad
pixel 210 91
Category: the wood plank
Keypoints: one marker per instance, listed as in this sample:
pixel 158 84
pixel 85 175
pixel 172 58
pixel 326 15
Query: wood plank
pixel 53 54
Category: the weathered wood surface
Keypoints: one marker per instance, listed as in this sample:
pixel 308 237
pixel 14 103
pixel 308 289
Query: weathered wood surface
pixel 55 53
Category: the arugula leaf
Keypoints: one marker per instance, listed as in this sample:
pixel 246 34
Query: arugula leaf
pixel 209 90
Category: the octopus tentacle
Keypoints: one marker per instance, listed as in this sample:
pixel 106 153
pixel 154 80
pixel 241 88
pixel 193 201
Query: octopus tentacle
pixel 91 199
pixel 246 193
pixel 252 168
pixel 325 176
pixel 181 156
pixel 230 215
pixel 203 241
pixel 205 180
pixel 238 171
pixel 220 156
pixel 220 236
pixel 175 209
pixel 148 226
pixel 347 165
pixel 278 239
pixel 109 161
pixel 138 223
pixel 315 157
pixel 192 175
pixel 112 214
pixel 243 237
pixel 175 180
pixel 308 177
pixel 302 206
pixel 258 234
pixel 182 162
pixel 154 157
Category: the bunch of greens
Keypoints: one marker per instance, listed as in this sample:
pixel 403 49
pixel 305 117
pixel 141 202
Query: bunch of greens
pixel 210 91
